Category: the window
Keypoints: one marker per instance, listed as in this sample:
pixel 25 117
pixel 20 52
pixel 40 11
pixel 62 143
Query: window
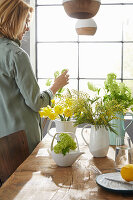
pixel 88 58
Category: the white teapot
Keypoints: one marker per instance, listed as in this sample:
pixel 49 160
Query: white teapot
pixel 65 160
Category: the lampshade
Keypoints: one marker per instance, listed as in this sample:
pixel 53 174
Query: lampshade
pixel 81 9
pixel 86 27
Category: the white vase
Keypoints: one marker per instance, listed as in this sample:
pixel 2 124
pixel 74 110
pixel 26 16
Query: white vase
pixel 62 126
pixel 99 141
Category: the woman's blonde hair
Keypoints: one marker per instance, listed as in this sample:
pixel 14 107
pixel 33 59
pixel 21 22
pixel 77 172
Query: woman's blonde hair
pixel 13 14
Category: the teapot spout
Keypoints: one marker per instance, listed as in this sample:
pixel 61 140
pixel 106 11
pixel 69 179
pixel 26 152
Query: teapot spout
pixel 77 154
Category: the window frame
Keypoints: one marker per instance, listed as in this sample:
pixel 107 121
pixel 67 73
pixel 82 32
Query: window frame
pixel 122 79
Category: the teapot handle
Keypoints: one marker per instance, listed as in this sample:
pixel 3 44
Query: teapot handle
pixel 129 114
pixel 83 135
pixel 53 141
pixel 48 129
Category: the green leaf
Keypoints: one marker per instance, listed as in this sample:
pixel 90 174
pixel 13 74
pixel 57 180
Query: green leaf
pixel 63 71
pixel 64 151
pixel 62 118
pixel 61 90
pixel 68 119
pixel 48 82
pixel 56 74
pixel 93 88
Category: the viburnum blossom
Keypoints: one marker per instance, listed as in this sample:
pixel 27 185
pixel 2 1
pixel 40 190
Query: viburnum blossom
pixel 65 144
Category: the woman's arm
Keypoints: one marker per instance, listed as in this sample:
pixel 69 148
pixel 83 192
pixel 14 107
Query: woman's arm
pixel 28 85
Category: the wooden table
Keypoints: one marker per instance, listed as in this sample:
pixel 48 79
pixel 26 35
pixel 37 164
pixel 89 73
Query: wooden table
pixel 38 178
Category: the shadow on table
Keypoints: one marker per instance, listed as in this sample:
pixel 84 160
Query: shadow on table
pixel 104 164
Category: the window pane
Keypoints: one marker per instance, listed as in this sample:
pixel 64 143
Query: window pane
pixel 128 60
pixel 53 57
pixel 97 60
pixel 73 83
pixel 88 58
pixel 59 27
pixel 48 2
pixel 109 27
pixel 42 84
pixel 128 23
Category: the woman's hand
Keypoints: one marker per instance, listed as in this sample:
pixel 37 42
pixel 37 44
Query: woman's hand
pixel 60 82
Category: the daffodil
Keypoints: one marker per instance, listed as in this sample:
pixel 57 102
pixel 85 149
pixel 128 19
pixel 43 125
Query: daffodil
pixel 53 102
pixel 61 107
pixel 41 114
pixel 58 109
pixel 52 116
pixel 68 112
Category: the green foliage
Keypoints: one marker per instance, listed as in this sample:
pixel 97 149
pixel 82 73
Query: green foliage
pixel 65 144
pixel 93 88
pixel 48 82
pixel 56 74
pixel 95 111
pixel 63 71
pixel 117 91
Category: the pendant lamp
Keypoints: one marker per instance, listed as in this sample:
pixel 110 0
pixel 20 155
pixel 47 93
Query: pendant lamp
pixel 86 27
pixel 81 9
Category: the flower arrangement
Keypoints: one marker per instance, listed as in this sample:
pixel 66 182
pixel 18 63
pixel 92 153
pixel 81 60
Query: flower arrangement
pixel 118 91
pixel 114 90
pixel 65 144
pixel 95 111
pixel 61 108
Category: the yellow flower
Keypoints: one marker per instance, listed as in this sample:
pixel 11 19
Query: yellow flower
pixel 58 110
pixel 41 114
pixel 53 102
pixel 52 116
pixel 46 111
pixel 68 102
pixel 68 112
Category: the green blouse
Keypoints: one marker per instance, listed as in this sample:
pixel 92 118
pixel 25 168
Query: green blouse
pixel 20 97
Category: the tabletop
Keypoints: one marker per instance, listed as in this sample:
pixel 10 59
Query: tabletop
pixel 39 178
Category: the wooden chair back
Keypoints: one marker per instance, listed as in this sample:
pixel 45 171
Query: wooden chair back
pixel 13 151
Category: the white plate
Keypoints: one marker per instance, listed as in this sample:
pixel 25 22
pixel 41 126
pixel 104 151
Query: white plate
pixel 126 187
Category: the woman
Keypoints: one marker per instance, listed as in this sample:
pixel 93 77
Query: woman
pixel 20 97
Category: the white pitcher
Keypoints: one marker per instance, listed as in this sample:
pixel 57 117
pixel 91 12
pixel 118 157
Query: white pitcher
pixel 99 141
pixel 62 126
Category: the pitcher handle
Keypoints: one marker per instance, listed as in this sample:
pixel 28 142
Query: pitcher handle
pixel 82 133
pixel 48 129
pixel 130 122
pixel 77 142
